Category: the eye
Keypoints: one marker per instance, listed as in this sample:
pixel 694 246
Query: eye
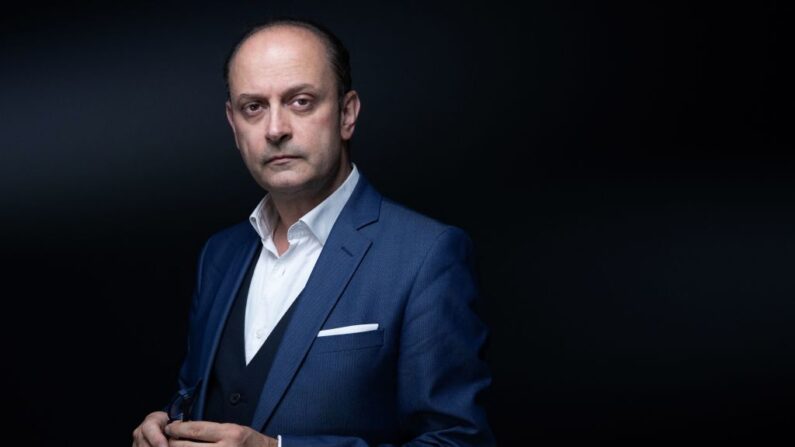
pixel 302 102
pixel 251 109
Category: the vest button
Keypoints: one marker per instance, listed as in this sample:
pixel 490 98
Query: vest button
pixel 234 398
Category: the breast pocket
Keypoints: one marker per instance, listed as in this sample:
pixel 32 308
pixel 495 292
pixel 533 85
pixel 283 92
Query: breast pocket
pixel 349 342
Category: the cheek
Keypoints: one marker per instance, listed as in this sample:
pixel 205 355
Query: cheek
pixel 325 132
pixel 250 138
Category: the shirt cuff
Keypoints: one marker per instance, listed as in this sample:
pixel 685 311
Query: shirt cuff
pixel 279 438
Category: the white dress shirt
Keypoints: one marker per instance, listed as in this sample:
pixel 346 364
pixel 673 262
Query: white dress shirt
pixel 277 280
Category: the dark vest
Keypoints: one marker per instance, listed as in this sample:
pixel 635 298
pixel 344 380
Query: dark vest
pixel 234 388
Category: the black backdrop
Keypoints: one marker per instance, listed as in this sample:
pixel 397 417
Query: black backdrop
pixel 619 167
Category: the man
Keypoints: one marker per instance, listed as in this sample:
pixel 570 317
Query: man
pixel 333 316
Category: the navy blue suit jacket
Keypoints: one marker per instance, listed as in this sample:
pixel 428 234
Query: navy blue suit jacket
pixel 416 380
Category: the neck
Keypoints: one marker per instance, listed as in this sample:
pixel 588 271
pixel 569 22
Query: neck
pixel 291 207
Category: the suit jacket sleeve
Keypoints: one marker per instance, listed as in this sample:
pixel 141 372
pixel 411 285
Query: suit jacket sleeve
pixel 440 371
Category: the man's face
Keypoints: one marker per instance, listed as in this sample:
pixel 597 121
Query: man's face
pixel 285 113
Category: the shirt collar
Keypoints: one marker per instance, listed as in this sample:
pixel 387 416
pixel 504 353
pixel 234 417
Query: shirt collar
pixel 319 220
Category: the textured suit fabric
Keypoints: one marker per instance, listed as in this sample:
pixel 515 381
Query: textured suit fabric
pixel 416 380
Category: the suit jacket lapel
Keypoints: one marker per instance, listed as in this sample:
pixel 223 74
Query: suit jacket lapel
pixel 341 255
pixel 227 291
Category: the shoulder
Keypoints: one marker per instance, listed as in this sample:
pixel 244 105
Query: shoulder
pixel 418 232
pixel 228 241
pixel 392 223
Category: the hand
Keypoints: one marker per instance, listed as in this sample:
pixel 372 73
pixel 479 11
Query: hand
pixel 198 433
pixel 150 433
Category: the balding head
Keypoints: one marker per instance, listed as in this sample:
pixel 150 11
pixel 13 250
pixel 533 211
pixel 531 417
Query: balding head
pixel 334 52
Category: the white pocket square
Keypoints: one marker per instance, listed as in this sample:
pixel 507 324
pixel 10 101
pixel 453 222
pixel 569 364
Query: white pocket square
pixel 356 328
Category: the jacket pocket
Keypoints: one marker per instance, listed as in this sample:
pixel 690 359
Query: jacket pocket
pixel 347 342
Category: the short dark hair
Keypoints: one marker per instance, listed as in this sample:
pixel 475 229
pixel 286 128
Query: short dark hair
pixel 337 53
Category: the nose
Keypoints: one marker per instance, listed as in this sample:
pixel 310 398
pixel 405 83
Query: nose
pixel 279 129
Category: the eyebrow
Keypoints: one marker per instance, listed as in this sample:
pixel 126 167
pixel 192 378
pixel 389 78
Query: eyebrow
pixel 288 93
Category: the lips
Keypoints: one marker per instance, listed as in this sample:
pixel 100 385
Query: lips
pixel 279 158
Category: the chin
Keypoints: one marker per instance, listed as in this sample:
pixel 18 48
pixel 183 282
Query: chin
pixel 286 185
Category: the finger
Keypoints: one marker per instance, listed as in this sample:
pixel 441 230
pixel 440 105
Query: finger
pixel 138 438
pixel 194 430
pixel 185 443
pixel 152 430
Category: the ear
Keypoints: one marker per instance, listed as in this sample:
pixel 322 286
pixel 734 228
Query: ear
pixel 230 119
pixel 348 114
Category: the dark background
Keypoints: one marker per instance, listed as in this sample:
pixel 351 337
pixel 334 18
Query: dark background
pixel 620 168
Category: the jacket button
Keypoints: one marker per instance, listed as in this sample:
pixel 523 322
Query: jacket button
pixel 234 398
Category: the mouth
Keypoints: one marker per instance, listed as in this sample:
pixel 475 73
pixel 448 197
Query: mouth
pixel 279 159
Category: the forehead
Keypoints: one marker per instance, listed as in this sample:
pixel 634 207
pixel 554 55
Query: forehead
pixel 278 57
